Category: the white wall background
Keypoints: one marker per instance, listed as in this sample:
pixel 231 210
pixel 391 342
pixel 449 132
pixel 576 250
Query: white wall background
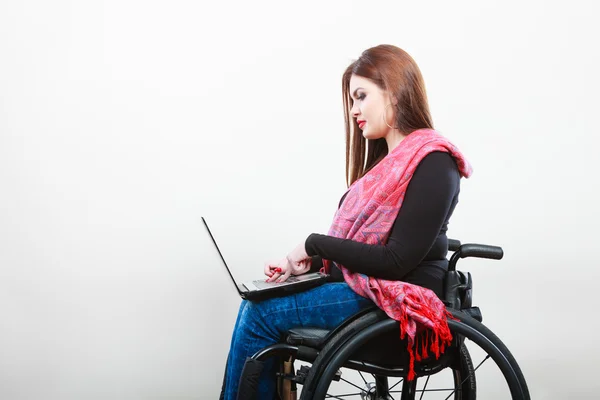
pixel 122 122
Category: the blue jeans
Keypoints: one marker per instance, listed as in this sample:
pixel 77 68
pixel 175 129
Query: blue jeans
pixel 263 323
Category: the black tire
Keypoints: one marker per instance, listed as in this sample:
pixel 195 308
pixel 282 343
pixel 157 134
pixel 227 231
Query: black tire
pixel 480 327
pixel 464 376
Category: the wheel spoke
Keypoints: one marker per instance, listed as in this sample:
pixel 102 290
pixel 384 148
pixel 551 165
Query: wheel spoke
pixel 350 383
pixel 425 386
pixel 397 383
pixel 428 390
pixel 482 361
pixel 451 393
pixel 339 396
pixel 468 376
pixel 363 378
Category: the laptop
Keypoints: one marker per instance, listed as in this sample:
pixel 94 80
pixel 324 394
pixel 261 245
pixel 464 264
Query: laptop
pixel 260 289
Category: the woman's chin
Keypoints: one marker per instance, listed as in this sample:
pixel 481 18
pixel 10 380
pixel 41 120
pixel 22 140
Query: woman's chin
pixel 368 135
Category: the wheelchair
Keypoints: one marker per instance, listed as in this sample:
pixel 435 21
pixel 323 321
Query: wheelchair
pixel 368 345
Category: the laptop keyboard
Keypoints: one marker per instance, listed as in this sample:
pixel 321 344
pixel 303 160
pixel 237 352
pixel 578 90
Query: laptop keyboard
pixel 262 284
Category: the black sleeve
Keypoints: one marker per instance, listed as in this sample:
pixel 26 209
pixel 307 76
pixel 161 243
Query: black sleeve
pixel 424 211
pixel 316 263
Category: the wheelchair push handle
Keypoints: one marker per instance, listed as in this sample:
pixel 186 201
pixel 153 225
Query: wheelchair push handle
pixel 473 250
pixel 453 244
pixel 481 251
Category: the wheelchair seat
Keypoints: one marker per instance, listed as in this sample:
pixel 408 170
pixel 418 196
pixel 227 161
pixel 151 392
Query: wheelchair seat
pixel 309 337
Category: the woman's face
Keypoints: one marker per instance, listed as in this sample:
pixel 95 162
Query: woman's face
pixel 369 107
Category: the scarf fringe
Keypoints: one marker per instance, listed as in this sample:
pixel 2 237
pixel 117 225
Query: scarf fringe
pixel 436 339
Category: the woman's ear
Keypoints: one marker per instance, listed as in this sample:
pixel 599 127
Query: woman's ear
pixel 393 100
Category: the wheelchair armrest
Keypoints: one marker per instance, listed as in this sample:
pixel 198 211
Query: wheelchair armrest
pixel 458 290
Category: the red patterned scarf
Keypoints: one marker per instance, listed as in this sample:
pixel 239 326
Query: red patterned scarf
pixel 367 215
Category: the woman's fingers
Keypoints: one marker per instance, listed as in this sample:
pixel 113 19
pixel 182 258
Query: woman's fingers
pixel 286 275
pixel 278 271
pixel 302 267
pixel 276 274
pixel 269 269
pixel 273 272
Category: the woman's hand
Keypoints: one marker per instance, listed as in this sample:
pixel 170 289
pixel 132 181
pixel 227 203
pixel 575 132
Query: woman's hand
pixel 277 269
pixel 299 258
pixel 297 262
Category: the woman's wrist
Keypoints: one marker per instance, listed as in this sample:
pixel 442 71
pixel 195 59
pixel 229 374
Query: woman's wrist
pixel 308 245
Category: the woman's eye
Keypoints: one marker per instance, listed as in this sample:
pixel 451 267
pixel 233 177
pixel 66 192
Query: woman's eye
pixel 361 96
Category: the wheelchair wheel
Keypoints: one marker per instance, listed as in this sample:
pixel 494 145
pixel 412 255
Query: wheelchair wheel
pixel 459 384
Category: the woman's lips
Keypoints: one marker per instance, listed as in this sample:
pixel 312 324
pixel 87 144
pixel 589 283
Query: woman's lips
pixel 361 124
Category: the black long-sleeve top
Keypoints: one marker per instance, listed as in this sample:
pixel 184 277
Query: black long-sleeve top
pixel 417 245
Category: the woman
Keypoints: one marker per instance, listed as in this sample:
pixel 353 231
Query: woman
pixel 387 244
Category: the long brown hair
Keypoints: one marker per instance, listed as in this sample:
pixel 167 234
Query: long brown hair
pixel 393 70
